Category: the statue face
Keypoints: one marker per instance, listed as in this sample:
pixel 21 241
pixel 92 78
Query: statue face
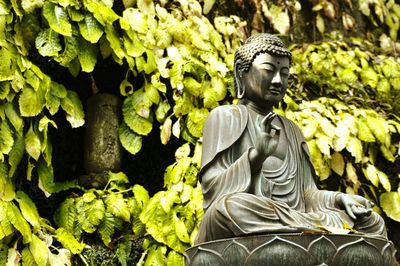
pixel 266 80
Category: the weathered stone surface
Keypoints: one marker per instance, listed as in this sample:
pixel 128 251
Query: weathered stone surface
pixel 103 151
pixel 294 249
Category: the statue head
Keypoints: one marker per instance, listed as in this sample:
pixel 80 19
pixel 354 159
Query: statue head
pixel 261 69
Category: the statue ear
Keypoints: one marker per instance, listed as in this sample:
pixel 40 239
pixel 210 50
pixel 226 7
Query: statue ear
pixel 238 74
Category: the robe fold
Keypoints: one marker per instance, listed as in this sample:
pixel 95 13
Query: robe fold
pixel 283 198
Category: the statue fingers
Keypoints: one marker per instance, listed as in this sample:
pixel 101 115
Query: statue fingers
pixel 350 211
pixel 266 122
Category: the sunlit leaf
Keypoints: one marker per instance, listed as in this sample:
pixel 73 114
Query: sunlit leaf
pixel 390 202
pixel 69 241
pixel 118 206
pixel 18 221
pixel 131 141
pixel 90 28
pixel 73 106
pixel 6 137
pixel 337 163
pixel 90 214
pixel 32 144
pixel 354 146
pixel 195 121
pixel 28 209
pixel 58 19
pixel 30 102
pixel 39 250
pixel 87 55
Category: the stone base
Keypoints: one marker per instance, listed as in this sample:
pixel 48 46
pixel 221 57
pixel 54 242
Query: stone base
pixel 294 249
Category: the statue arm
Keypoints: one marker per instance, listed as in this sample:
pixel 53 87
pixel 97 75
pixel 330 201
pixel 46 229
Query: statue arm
pixel 225 175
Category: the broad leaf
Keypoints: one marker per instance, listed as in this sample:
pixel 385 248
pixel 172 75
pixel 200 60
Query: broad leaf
pixel 107 228
pixel 16 153
pixel 131 141
pixel 69 241
pixel 66 215
pixel 18 221
pixel 48 43
pixel 6 137
pixel 14 117
pixel 118 206
pixel 27 258
pixel 390 202
pixel 195 121
pixel 39 250
pixel 30 102
pixel 87 55
pixel 58 19
pixel 32 143
pixel 28 209
pixel 90 214
pixel 138 123
pixel 337 163
pixel 174 258
pixel 73 106
pixel 90 28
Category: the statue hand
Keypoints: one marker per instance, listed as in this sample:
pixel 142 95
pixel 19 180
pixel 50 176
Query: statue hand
pixel 266 141
pixel 355 206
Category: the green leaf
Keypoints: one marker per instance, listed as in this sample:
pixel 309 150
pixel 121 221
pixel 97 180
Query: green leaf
pixel 348 76
pixel 141 195
pixel 90 214
pixel 73 106
pixel 90 28
pixel 32 144
pixel 152 93
pixel 337 163
pixel 156 256
pixel 87 55
pixel 6 67
pixel 27 258
pixel 18 221
pixel 114 40
pixel 48 43
pixel 371 173
pixel 195 121
pixel 117 205
pixel 324 144
pixel 124 250
pixel 384 180
pixel 28 209
pixel 390 203
pixel 369 77
pixel 131 141
pixel 181 230
pixel 354 146
pixel 165 131
pixel 14 117
pixel 39 250
pixel 387 153
pixel 7 189
pixel 137 20
pixel 162 110
pixel 58 19
pixel 16 154
pixel 351 173
pixel 118 177
pixel 378 127
pixel 66 215
pixel 30 102
pixel 134 104
pixel 106 228
pixel 71 49
pixel 6 137
pixel 174 258
pixel 364 132
pixel 68 241
pixel 321 167
pixel 103 13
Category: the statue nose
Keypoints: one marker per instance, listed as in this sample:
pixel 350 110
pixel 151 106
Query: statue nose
pixel 277 79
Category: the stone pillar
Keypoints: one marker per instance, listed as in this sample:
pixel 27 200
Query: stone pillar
pixel 103 151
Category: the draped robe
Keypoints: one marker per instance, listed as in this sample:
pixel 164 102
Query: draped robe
pixel 283 198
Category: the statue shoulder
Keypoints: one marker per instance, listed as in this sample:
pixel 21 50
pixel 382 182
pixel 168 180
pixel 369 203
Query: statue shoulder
pixel 223 127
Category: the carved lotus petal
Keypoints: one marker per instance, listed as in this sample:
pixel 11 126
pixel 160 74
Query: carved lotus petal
pixel 207 257
pixel 323 249
pixel 278 252
pixel 235 254
pixel 358 253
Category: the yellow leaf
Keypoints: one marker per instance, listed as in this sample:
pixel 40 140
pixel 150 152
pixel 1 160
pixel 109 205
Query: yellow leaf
pixel 354 146
pixel 390 202
pixel 337 163
pixel 384 180
pixel 371 174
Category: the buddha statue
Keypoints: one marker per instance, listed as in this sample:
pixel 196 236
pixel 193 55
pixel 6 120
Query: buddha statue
pixel 256 172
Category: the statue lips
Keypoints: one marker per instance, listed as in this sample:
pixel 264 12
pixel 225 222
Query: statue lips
pixel 275 91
